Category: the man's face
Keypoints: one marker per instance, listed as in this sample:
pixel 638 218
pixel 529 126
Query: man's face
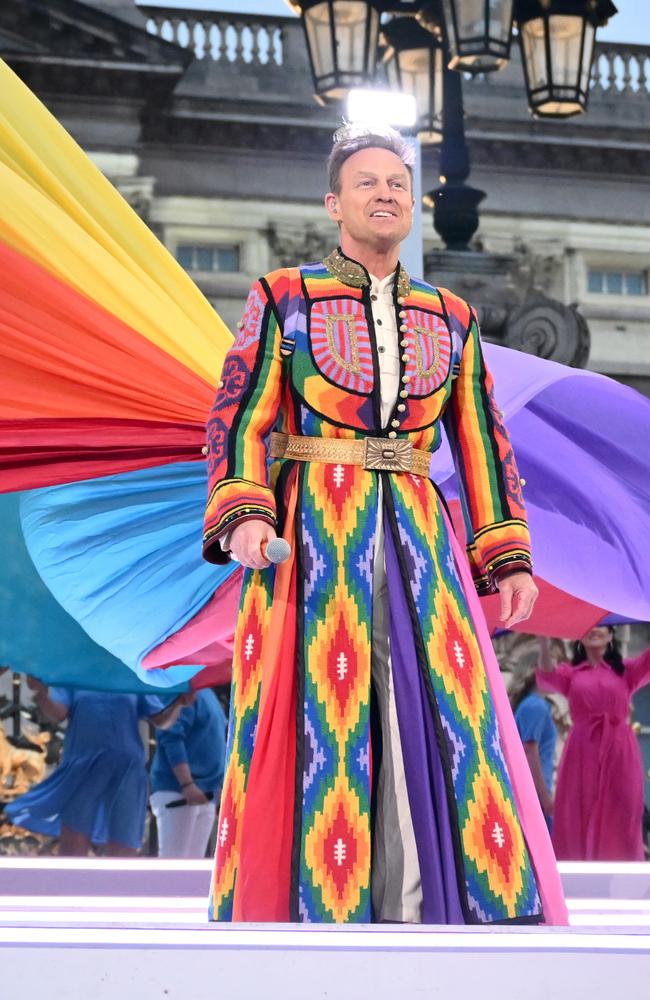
pixel 375 202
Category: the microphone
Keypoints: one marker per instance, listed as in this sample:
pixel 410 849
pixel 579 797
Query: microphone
pixel 277 550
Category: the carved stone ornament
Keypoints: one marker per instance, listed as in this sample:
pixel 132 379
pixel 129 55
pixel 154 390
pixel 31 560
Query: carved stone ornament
pixel 138 191
pixel 291 246
pixel 549 329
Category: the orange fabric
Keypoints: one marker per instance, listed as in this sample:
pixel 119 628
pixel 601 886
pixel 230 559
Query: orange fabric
pixel 61 355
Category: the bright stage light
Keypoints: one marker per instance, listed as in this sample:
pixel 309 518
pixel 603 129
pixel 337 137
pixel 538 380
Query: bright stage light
pixel 381 107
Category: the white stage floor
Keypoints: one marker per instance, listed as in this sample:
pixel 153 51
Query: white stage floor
pixel 117 930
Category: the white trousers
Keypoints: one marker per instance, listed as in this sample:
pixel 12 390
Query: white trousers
pixel 183 832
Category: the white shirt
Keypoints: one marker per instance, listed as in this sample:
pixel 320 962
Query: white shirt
pixel 383 314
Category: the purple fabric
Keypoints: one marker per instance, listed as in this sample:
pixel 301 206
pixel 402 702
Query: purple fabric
pixel 424 773
pixel 581 446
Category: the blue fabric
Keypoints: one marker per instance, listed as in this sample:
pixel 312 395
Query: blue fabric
pixel 535 725
pixel 109 548
pixel 100 786
pixel 198 739
pixel 36 631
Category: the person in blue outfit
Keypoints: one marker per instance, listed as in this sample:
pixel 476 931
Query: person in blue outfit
pixel 186 778
pixel 538 734
pixel 98 793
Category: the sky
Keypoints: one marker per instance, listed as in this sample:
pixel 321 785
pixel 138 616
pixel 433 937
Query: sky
pixel 631 24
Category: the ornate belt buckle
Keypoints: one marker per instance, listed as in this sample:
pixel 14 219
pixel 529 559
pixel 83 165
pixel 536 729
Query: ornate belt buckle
pixel 388 454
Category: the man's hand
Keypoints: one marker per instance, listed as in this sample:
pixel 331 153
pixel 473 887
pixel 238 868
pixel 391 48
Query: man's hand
pixel 35 685
pixel 518 594
pixel 246 543
pixel 194 796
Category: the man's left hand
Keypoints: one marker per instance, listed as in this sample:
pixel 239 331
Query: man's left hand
pixel 518 593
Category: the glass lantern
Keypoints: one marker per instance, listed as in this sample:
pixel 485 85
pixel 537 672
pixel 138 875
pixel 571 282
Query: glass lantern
pixel 478 33
pixel 342 39
pixel 557 40
pixel 415 64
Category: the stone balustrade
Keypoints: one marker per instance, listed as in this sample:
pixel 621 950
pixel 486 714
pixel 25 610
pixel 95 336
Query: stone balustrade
pixel 219 37
pixel 621 68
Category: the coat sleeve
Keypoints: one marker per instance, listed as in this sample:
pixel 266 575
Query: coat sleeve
pixel 244 413
pixel 637 671
pixel 498 542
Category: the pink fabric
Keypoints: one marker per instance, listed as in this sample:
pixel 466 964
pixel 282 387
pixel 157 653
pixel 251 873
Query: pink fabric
pixel 526 799
pixel 206 638
pixel 599 797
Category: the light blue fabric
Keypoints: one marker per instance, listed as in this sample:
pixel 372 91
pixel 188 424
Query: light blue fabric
pixel 100 787
pixel 535 725
pixel 198 739
pixel 38 637
pixel 122 554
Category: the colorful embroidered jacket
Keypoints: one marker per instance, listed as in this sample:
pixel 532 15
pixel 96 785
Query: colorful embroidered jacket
pixel 305 362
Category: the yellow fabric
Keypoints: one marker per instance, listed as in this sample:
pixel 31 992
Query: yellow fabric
pixel 58 209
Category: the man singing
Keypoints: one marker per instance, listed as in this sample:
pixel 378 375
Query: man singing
pixel 370 772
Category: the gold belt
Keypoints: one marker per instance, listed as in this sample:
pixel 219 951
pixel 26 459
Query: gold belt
pixel 387 454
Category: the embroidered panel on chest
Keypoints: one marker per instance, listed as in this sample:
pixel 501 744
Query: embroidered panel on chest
pixel 428 350
pixel 340 343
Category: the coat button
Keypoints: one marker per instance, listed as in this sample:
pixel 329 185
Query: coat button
pixel 204 449
pixel 405 357
pixel 401 406
pixel 404 328
pixel 406 378
pixel 402 314
pixel 392 434
pixel 381 348
pixel 404 393
pixel 394 423
pixel 403 343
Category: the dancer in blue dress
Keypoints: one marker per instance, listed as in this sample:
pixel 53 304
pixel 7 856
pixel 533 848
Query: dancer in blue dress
pixel 98 794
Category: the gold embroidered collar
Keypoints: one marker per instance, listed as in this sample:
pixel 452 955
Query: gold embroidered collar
pixel 350 272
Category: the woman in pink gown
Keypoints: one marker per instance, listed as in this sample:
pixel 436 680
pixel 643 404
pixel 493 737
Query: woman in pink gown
pixel 599 797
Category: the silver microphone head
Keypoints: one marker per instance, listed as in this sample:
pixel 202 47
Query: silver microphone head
pixel 277 550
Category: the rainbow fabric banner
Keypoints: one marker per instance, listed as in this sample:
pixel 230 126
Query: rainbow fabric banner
pixel 108 358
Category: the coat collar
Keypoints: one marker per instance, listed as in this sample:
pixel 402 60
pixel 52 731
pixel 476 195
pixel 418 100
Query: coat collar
pixel 352 273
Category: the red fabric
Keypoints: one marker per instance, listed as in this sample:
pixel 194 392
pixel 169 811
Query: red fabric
pixel 62 355
pixel 263 884
pixel 36 453
pixel 555 613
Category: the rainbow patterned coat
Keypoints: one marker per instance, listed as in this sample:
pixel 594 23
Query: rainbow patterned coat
pixel 295 827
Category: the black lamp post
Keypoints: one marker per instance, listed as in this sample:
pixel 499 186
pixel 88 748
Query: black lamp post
pixel 438 38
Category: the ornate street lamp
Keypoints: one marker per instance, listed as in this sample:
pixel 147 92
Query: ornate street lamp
pixel 557 50
pixel 342 39
pixel 415 64
pixel 478 32
pixel 439 37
